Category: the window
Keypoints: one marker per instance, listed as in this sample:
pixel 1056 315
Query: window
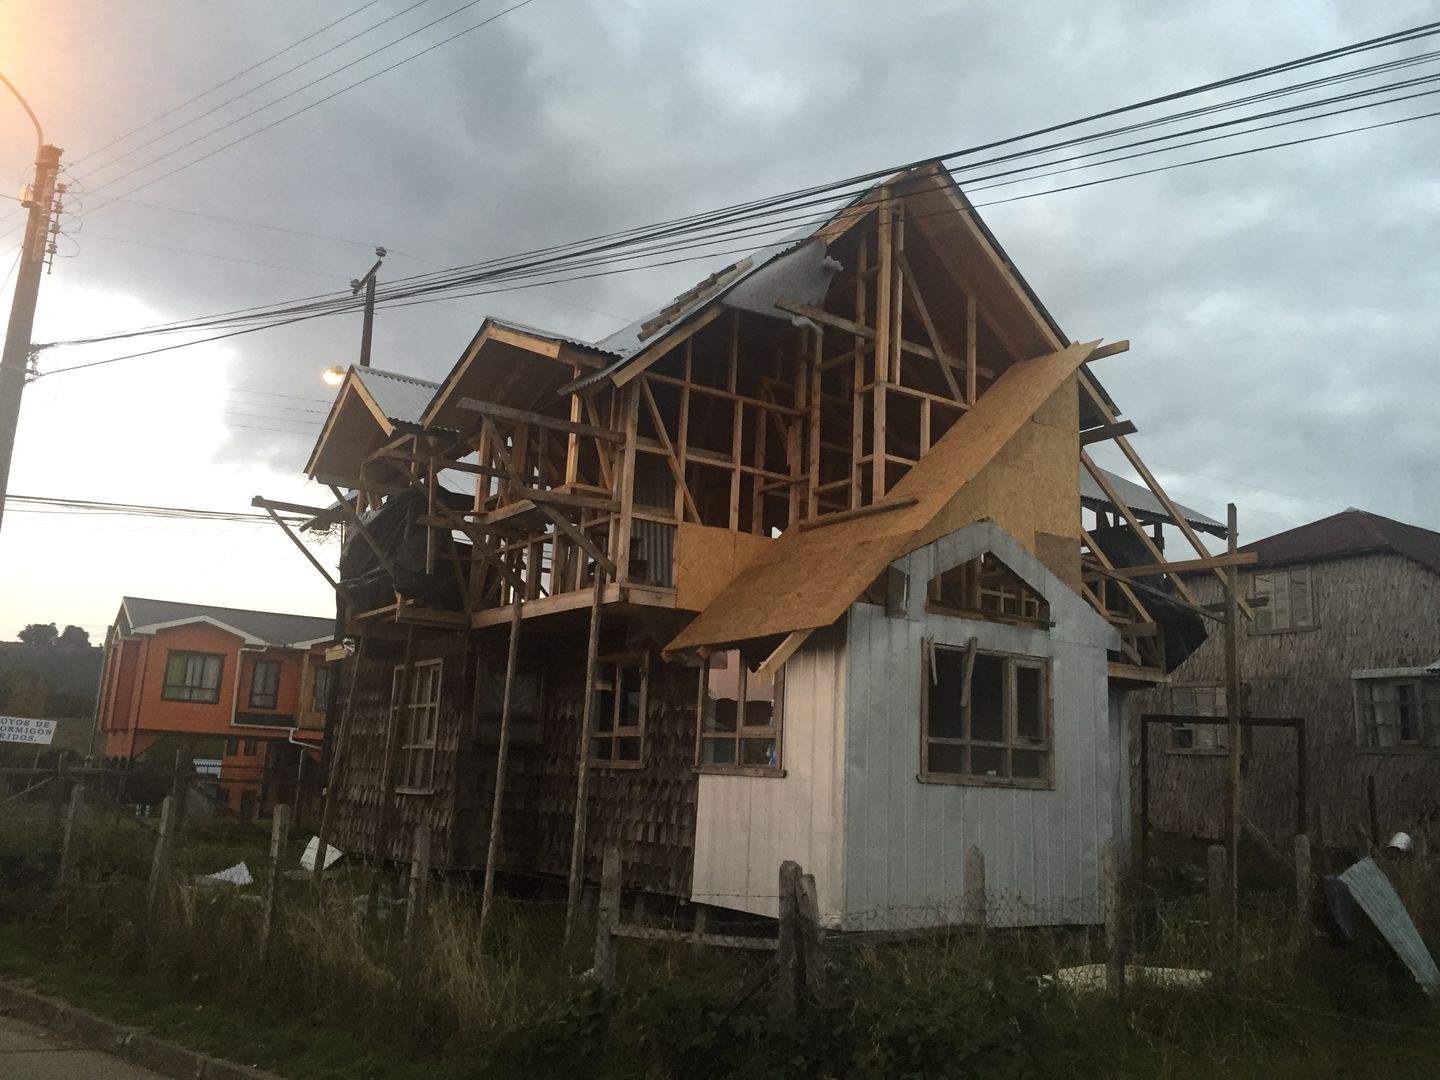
pixel 1290 604
pixel 1398 713
pixel 232 747
pixel 1198 738
pixel 524 705
pixel 985 586
pixel 192 676
pixel 739 717
pixel 618 724
pixel 998 732
pixel 250 747
pixel 264 684
pixel 419 725
pixel 320 688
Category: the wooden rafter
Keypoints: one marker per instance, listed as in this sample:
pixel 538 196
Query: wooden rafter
pixel 670 459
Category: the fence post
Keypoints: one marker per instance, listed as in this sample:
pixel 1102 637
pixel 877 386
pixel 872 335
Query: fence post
pixel 1114 928
pixel 1220 910
pixel 607 918
pixel 813 940
pixel 60 789
pixel 180 783
pixel 416 896
pixel 67 834
pixel 973 898
pixel 788 952
pixel 279 833
pixel 1304 886
pixel 160 864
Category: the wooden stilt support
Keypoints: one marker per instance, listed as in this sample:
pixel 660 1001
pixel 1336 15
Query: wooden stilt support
pixel 336 765
pixel 582 777
pixel 1235 708
pixel 492 850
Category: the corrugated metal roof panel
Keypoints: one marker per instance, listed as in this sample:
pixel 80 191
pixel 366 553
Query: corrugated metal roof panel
pixel 1141 500
pixel 403 398
pixel 1379 900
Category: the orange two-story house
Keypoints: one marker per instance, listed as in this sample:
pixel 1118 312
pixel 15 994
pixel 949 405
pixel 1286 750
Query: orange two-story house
pixel 244 692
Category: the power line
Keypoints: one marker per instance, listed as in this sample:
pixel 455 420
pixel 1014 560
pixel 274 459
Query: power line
pixel 213 255
pixel 55 504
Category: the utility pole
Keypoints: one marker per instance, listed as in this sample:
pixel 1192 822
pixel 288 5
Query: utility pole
pixel 368 283
pixel 1234 710
pixel 16 358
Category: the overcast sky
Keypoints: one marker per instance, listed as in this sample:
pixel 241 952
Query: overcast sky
pixel 1281 306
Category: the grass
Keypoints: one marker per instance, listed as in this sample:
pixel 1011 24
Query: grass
pixel 336 999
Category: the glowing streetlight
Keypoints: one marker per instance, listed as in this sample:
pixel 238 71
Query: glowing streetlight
pixel 333 376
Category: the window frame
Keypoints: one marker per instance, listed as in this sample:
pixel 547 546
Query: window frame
pixel 1265 613
pixel 168 689
pixel 255 668
pixel 775 730
pixel 1426 689
pixel 1012 661
pixel 404 715
pixel 619 661
pixel 1221 724
pixel 327 672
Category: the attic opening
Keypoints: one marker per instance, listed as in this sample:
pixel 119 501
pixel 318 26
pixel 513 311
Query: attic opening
pixel 984 587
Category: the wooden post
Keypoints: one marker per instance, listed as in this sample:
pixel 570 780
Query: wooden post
pixel 1234 708
pixel 1220 910
pixel 67 834
pixel 607 919
pixel 492 851
pixel 1114 922
pixel 788 950
pixel 415 900
pixel 336 763
pixel 813 954
pixel 60 788
pixel 973 898
pixel 160 862
pixel 279 834
pixel 180 782
pixel 582 776
pixel 1304 891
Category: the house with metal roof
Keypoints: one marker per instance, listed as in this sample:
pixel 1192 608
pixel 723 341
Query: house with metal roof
pixel 1347 642
pixel 239 694
pixel 811 562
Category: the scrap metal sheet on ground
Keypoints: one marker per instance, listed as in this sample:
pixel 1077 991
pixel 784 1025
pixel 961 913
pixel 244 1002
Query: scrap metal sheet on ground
pixel 18 729
pixel 1379 900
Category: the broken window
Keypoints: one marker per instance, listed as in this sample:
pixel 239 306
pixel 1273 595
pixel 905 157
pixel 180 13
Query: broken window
pixel 1198 701
pixel 987 718
pixel 739 716
pixel 265 684
pixel 419 722
pixel 988 588
pixel 1290 605
pixel 524 705
pixel 617 732
pixel 192 676
pixel 1398 713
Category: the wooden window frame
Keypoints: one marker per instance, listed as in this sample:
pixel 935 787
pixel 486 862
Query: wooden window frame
pixel 1266 612
pixel 775 730
pixel 327 672
pixel 405 715
pixel 268 665
pixel 169 690
pixel 1220 724
pixel 641 661
pixel 1012 660
pixel 1426 698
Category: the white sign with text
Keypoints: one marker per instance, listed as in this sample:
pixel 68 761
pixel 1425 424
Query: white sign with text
pixel 18 729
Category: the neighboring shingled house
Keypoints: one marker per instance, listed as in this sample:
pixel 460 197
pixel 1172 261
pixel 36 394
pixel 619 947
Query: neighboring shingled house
pixel 1349 642
pixel 812 563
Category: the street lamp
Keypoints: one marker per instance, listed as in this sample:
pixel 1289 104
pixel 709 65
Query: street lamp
pixel 333 376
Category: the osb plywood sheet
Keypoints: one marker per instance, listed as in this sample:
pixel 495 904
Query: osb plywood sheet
pixel 710 558
pixel 809 577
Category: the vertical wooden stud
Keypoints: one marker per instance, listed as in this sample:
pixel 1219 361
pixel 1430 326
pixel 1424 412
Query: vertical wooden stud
pixel 607 918
pixel 582 777
pixel 416 897
pixel 1219 894
pixel 1114 922
pixel 502 755
pixel 279 834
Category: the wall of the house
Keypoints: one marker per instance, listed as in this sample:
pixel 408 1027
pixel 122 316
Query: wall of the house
pixel 747 825
pixel 905 840
pixel 1372 611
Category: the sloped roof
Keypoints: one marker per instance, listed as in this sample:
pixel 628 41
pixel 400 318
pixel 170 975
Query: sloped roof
pixel 145 615
pixel 402 398
pixel 1350 532
pixel 781 591
pixel 1142 501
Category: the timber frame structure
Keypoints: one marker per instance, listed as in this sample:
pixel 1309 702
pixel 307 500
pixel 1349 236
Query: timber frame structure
pixel 604 493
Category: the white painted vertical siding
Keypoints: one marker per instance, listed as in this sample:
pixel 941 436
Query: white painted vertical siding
pixel 904 840
pixel 745 826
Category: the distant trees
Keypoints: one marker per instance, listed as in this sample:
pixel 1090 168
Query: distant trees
pixel 74 637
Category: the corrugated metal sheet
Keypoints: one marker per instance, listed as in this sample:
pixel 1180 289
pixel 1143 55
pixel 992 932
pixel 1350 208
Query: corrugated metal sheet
pixel 402 398
pixel 1379 900
pixel 1142 501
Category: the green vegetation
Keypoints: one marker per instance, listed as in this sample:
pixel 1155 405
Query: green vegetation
pixel 336 999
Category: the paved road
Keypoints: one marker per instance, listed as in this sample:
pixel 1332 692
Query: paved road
pixel 31 1053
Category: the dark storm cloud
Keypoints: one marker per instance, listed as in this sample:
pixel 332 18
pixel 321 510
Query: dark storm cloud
pixel 1281 305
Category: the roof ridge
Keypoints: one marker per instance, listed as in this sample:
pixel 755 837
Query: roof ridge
pixel 395 375
pixel 224 607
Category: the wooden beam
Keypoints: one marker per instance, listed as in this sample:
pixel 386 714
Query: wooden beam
pixel 787 648
pixel 577 534
pixel 1106 432
pixel 303 549
pixel 1243 558
pixel 858 512
pixel 1115 348
pixel 670 459
pixel 290 508
pixel 1155 553
pixel 931 331
pixel 349 511
pixel 525 416
pixel 850 326
pixel 637 365
pixel 972 361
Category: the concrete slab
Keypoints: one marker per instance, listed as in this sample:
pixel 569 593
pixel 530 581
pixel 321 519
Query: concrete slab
pixel 28 1052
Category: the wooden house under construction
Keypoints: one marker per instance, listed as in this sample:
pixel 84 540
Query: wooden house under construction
pixel 812 563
